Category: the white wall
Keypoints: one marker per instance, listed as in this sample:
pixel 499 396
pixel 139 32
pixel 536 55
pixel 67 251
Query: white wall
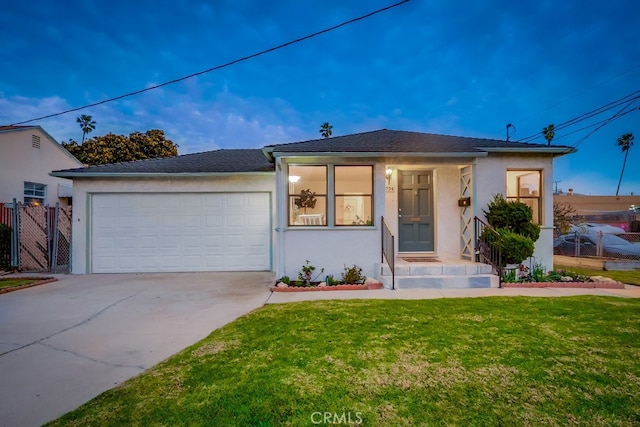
pixel 84 188
pixel 331 249
pixel 491 179
pixel 20 162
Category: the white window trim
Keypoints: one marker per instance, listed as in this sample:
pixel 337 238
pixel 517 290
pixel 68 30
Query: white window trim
pixel 539 197
pixel 34 196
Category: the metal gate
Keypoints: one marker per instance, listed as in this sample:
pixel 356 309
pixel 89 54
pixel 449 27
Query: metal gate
pixel 40 237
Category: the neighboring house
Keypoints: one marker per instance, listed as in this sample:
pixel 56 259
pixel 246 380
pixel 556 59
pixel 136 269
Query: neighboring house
pixel 320 200
pixel 27 155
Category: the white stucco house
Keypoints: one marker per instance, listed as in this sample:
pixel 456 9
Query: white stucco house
pixel 321 200
pixel 27 155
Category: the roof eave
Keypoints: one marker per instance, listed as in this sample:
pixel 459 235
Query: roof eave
pixel 63 174
pixel 268 152
pixel 376 154
pixel 560 151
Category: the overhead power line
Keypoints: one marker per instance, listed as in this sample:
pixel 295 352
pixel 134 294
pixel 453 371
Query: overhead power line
pixel 616 116
pixel 218 67
pixel 626 101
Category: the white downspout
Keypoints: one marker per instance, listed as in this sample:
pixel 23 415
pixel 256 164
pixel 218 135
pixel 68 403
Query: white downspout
pixel 280 216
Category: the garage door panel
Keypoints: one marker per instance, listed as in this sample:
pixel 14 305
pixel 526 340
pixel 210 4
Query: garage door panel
pixel 180 232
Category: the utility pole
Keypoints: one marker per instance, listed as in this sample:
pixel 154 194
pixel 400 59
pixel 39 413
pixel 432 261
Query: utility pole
pixel 556 186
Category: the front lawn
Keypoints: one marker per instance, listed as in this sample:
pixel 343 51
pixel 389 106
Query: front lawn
pixel 15 283
pixel 478 361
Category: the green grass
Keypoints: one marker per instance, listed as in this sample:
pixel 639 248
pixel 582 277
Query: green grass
pixel 477 361
pixel 630 277
pixel 14 283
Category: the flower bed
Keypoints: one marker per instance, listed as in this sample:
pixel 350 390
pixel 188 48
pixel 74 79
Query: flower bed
pixel 584 285
pixel 328 288
pixel 522 277
pixel 352 280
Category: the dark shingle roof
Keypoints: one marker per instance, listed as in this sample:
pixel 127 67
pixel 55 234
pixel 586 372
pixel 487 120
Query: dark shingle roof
pixel 256 160
pixel 394 141
pixel 219 161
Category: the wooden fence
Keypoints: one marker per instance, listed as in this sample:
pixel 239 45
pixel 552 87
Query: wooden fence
pixel 5 215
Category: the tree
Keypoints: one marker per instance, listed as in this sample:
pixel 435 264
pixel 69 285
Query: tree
pixel 625 142
pixel 549 132
pixel 86 124
pixel 112 148
pixel 563 217
pixel 325 130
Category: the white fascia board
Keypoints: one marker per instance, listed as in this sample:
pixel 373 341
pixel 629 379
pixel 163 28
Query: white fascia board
pixel 268 152
pixel 376 154
pixel 63 174
pixel 525 150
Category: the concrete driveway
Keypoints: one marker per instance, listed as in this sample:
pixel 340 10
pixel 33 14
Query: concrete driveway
pixel 63 343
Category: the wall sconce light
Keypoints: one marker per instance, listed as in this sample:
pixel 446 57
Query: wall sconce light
pixel 294 179
pixel 388 174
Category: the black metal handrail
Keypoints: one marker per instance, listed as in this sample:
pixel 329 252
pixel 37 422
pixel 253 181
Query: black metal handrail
pixel 488 248
pixel 388 251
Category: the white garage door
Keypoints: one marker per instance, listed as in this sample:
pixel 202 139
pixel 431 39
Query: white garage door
pixel 175 232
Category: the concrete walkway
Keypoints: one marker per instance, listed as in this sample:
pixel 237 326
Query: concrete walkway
pixel 63 343
pixel 284 297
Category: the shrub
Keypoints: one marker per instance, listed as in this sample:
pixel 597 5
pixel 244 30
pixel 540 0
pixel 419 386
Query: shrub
pixel 331 281
pixel 512 220
pixel 515 247
pixel 512 216
pixel 285 279
pixel 306 274
pixel 538 273
pixel 352 275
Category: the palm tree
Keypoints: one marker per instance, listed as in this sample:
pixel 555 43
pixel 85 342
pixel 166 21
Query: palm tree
pixel 625 142
pixel 325 130
pixel 86 124
pixel 549 132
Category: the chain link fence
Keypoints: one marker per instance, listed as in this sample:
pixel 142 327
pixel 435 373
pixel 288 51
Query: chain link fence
pixel 623 246
pixel 40 237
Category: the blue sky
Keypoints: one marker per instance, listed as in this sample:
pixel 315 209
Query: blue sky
pixel 457 68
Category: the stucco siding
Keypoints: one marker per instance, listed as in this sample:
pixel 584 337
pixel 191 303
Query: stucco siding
pixel 20 162
pixel 491 179
pixel 331 249
pixel 85 188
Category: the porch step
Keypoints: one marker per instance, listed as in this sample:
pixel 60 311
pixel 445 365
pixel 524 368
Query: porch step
pixel 434 269
pixel 437 275
pixel 441 281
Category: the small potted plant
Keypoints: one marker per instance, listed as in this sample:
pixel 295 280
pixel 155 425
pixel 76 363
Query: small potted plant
pixel 307 199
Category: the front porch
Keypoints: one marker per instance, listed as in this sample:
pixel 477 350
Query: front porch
pixel 415 273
